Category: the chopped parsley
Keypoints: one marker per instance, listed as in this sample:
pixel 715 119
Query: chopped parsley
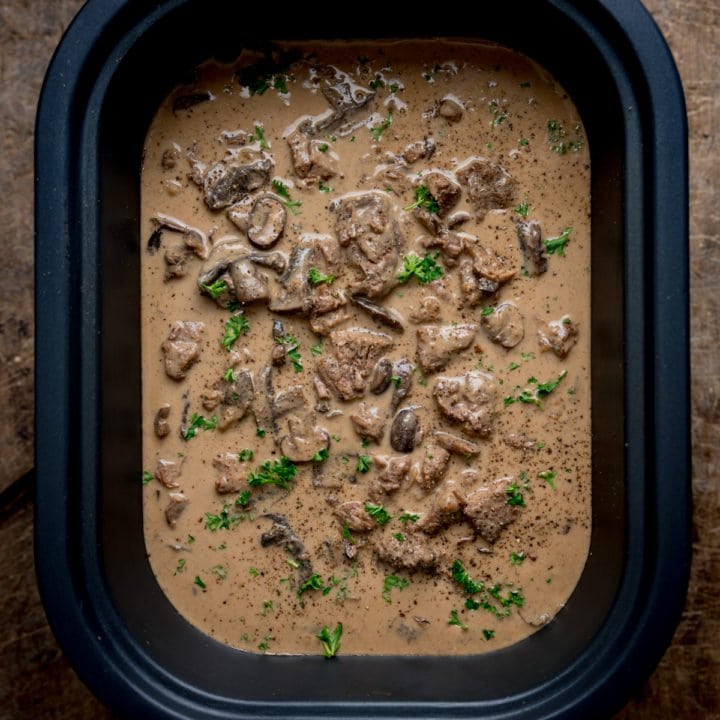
pixel 236 326
pixel 316 349
pixel 363 463
pixel 378 513
pixel 514 496
pixel 260 432
pixel 396 380
pixel 399 537
pixel 330 640
pixel 364 442
pixel 534 396
pixel 292 351
pixel 513 366
pixel 378 82
pixel 315 277
pixel 322 187
pixel 198 422
pixel 264 646
pixel 229 375
pixel 424 199
pixel 377 131
pixel 198 581
pixel 523 209
pixel 222 521
pixel 243 499
pixel 487 310
pixel 260 137
pixel 455 620
pixel 245 454
pixel 391 582
pixel 180 567
pixel 147 477
pixel 408 517
pixel 323 147
pixel 280 85
pixel 461 577
pixel 488 634
pixel 278 472
pixel 517 558
pixel 314 582
pixel 557 244
pixel 215 289
pixel 283 191
pixel 424 269
pixel 557 138
pixel 321 455
pixel 549 477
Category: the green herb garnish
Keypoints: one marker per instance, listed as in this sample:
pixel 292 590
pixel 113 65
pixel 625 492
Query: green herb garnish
pixel 283 191
pixel 557 244
pixel 260 137
pixel 455 620
pixel 515 496
pixel 408 517
pixel 378 513
pixel 377 132
pixel 330 640
pixel 215 289
pixel 424 269
pixel 147 477
pixel 236 326
pixel 549 477
pixel 517 558
pixel 278 472
pixel 391 582
pixel 424 199
pixel 198 422
pixel 245 454
pixel 363 463
pixel 315 277
pixel 321 455
pixel 198 581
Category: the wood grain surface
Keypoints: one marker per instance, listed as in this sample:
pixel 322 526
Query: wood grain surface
pixel 35 680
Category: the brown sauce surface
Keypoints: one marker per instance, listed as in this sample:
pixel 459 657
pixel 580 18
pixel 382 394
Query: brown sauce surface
pixel 513 508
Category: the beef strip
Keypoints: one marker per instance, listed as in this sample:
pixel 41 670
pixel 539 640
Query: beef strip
pixel 372 240
pixel 390 470
pixel 232 473
pixel 488 510
pixel 469 400
pixel 559 336
pixel 438 343
pixel 446 508
pixel 167 472
pixel 369 422
pixel 160 423
pixel 352 515
pixel 504 325
pixel 412 553
pixel 433 466
pixel 488 185
pixel 346 366
pixel 181 348
pixel 175 507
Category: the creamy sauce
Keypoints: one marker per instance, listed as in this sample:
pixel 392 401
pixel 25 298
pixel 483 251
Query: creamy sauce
pixel 512 505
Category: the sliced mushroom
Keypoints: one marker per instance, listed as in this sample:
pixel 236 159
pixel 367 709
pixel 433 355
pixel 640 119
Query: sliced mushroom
pixel 402 374
pixel 381 376
pixel 404 430
pixel 387 316
pixel 455 444
pixel 266 222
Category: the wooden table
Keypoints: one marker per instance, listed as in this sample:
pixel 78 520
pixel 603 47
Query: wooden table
pixel 35 680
